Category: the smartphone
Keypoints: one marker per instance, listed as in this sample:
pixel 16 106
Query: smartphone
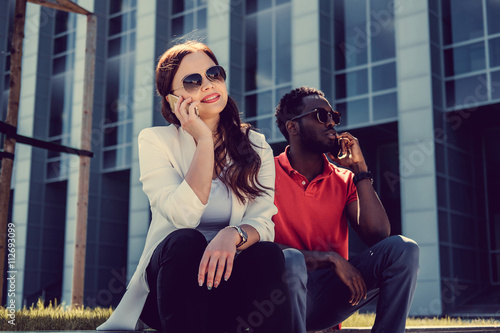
pixel 337 148
pixel 172 99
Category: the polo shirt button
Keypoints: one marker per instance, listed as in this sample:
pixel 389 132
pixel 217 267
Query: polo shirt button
pixel 303 182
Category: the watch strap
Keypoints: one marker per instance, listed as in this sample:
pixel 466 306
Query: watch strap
pixel 362 175
pixel 243 234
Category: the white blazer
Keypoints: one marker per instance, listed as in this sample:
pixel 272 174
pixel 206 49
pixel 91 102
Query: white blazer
pixel 165 154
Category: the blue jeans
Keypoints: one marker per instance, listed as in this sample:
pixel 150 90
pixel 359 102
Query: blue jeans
pixel 320 299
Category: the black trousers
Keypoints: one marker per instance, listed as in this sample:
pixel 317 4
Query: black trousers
pixel 255 297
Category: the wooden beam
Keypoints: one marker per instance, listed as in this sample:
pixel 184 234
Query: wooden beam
pixel 84 171
pixel 74 7
pixel 16 55
pixel 50 4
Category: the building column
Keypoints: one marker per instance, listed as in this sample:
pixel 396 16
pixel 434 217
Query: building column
pixel 144 99
pixel 21 177
pixel 74 160
pixel 306 64
pixel 219 32
pixel 417 176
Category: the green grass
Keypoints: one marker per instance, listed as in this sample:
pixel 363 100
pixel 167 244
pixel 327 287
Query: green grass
pixel 59 317
pixel 367 320
pixel 53 317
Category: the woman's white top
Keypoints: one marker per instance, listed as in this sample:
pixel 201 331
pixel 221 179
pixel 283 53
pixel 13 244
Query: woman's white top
pixel 165 154
pixel 218 211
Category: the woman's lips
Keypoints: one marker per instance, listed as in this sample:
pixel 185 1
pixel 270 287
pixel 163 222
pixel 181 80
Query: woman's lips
pixel 211 98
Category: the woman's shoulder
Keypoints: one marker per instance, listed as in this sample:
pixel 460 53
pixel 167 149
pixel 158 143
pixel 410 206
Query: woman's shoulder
pixel 255 136
pixel 160 131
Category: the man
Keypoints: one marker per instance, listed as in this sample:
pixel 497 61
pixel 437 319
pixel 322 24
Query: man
pixel 314 199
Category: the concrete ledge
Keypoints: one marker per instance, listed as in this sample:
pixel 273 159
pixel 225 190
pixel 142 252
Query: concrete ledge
pixel 433 329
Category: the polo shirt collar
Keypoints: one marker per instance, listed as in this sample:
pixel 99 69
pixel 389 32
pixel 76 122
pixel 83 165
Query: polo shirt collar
pixel 285 164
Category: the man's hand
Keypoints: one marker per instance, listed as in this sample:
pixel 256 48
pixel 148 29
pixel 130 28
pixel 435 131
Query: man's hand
pixel 346 272
pixel 351 155
pixel 352 278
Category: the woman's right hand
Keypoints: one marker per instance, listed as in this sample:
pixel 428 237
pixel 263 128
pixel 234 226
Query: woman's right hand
pixel 190 121
pixel 218 258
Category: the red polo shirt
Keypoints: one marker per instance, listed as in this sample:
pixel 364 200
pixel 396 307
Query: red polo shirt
pixel 311 215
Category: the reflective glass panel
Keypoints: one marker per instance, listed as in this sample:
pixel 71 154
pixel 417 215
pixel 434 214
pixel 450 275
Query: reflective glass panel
pixel 265 125
pixel 61 22
pixel 354 112
pixel 462 20
pixel 60 44
pixel 201 22
pixel 264 103
pixel 381 29
pixel 384 76
pixel 464 59
pixel 495 52
pixel 493 12
pixel 467 91
pixel 257 5
pixel 283 45
pixel 250 106
pixel 385 106
pixel 351 40
pixel 351 84
pixel 495 85
pixel 182 25
pixel 115 6
pixel 264 50
pixel 251 53
pixel 116 25
pixel 182 5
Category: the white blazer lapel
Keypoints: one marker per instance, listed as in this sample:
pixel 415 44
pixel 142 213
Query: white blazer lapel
pixel 188 147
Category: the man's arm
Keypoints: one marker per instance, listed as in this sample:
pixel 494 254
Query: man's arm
pixel 366 215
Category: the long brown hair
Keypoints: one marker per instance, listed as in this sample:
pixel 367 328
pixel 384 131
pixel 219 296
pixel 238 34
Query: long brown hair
pixel 241 175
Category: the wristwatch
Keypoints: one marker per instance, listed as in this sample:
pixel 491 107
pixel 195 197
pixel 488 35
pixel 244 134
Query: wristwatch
pixel 361 176
pixel 243 234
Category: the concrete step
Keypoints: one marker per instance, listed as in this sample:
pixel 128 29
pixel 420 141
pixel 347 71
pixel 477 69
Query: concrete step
pixel 434 329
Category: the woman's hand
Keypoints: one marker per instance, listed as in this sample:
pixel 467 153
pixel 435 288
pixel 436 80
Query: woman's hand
pixel 190 121
pixel 219 255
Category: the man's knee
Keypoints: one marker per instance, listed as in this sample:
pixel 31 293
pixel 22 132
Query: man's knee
pixel 294 259
pixel 407 250
pixel 296 270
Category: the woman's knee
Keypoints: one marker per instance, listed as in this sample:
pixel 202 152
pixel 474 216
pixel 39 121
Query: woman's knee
pixel 184 242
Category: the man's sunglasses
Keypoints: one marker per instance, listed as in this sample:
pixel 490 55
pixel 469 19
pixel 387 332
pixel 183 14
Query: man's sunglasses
pixel 322 115
pixel 192 82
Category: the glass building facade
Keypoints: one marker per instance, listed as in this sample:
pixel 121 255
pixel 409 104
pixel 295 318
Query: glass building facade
pixel 417 83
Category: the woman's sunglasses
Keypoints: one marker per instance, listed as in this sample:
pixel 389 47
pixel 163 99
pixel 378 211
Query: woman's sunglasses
pixel 192 82
pixel 322 115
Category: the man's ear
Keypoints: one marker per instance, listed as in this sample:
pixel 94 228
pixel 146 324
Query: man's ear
pixel 291 128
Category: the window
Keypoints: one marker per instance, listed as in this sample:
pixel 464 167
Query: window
pixel 61 92
pixel 362 62
pixel 120 66
pixel 471 48
pixel 267 66
pixel 189 17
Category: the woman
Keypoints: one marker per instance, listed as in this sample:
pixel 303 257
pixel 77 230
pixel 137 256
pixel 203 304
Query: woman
pixel 208 264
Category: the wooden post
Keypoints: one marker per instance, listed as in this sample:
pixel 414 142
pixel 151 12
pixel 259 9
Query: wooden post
pixel 12 115
pixel 84 171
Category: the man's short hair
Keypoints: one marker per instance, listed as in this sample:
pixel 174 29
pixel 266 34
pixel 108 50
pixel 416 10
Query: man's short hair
pixel 291 105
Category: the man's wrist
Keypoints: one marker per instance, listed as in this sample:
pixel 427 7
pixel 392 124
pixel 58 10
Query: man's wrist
pixel 359 167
